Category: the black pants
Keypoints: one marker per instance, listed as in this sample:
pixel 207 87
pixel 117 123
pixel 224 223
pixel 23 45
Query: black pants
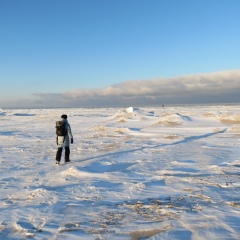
pixel 59 154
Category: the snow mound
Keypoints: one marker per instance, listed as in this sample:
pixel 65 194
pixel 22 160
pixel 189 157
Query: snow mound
pixel 170 120
pixel 74 172
pixel 2 113
pixel 132 113
pixel 28 197
pixel 230 118
pixel 174 119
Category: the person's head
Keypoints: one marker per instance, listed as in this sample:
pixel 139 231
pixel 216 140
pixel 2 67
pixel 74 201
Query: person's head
pixel 64 116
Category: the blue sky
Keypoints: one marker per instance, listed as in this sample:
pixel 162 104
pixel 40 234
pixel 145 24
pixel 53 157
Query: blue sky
pixel 58 47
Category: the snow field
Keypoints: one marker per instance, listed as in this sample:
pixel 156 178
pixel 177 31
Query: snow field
pixel 135 173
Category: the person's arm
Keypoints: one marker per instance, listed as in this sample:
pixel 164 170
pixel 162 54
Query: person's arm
pixel 70 133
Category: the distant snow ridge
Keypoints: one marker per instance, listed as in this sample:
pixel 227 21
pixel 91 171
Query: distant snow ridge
pixel 227 118
pixel 230 118
pixel 132 112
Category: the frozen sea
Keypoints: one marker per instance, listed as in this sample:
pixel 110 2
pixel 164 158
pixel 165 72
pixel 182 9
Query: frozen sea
pixel 156 173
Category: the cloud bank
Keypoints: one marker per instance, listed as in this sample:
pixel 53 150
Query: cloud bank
pixel 219 87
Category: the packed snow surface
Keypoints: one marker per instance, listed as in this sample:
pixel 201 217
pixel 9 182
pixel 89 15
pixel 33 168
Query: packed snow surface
pixel 135 173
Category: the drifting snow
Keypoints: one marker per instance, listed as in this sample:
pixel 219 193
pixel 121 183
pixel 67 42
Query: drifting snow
pixel 135 173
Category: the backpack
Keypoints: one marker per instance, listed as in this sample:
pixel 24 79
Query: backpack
pixel 61 129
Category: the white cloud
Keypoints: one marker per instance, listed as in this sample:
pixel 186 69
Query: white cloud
pixel 219 87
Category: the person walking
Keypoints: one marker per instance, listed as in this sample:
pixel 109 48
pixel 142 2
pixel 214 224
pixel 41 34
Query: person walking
pixel 64 138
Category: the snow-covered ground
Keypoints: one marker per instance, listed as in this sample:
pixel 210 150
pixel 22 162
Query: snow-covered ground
pixel 135 173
